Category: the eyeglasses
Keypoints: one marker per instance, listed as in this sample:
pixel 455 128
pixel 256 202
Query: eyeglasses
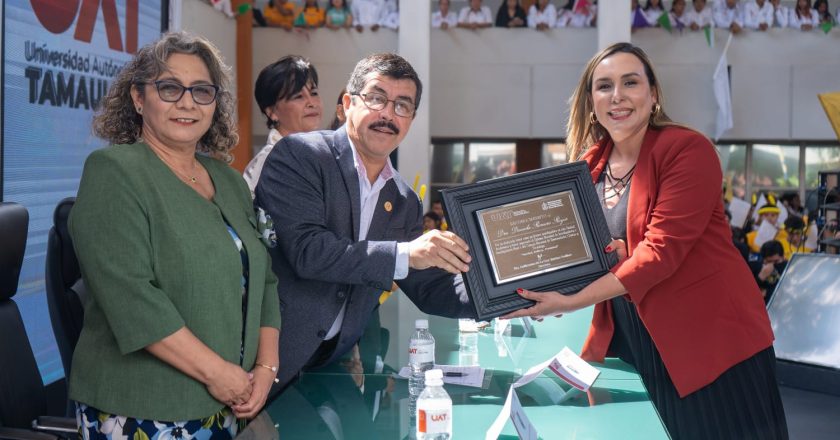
pixel 377 101
pixel 170 91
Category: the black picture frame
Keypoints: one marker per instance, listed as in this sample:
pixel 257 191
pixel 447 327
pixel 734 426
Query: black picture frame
pixel 492 299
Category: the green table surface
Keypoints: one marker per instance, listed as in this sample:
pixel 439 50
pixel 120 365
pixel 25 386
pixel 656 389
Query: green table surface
pixel 349 401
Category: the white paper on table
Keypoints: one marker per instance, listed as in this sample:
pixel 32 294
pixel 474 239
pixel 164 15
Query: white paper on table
pixel 512 410
pixel 498 424
pixel 523 426
pixel 470 376
pixel 567 365
pixel 574 370
pixel 766 232
pixel 811 238
pixel 739 210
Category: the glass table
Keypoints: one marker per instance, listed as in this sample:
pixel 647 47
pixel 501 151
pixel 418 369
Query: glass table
pixel 360 396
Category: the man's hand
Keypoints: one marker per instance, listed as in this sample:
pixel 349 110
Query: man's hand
pixel 439 249
pixel 766 270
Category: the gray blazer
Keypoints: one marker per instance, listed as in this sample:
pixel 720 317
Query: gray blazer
pixel 310 188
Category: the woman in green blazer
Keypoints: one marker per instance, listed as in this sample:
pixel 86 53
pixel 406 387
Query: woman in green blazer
pixel 182 319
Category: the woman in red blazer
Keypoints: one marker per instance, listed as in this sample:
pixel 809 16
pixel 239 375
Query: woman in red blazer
pixel 681 306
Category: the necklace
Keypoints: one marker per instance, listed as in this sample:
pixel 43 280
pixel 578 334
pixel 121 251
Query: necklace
pixel 617 185
pixel 184 176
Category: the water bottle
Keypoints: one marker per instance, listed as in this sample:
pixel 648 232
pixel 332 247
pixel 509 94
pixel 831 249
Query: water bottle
pixel 421 356
pixel 434 409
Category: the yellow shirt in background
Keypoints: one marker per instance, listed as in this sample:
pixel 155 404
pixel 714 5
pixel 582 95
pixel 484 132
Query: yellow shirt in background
pixel 311 17
pixel 275 17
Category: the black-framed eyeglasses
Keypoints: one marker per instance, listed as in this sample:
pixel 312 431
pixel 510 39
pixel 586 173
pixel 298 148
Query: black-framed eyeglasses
pixel 377 101
pixel 170 91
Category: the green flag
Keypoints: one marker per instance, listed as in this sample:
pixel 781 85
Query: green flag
pixel 243 8
pixel 709 33
pixel 665 21
pixel 826 26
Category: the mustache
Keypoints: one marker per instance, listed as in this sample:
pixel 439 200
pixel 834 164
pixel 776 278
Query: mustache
pixel 385 124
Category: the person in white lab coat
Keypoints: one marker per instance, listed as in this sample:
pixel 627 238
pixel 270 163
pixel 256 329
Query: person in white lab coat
pixel 653 10
pixel 443 18
pixel 758 14
pixel 699 15
pixel 475 16
pixel 729 15
pixel 677 16
pixel 803 16
pixel 367 13
pixel 781 14
pixel 542 15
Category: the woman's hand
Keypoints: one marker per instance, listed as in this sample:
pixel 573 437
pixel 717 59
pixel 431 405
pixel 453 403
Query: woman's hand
pixel 261 380
pixel 230 385
pixel 547 304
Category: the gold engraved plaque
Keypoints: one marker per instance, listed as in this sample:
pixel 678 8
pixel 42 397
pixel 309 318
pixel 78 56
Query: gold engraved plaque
pixel 533 236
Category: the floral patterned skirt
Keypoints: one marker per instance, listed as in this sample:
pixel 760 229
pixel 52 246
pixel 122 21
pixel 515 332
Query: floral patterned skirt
pixel 99 425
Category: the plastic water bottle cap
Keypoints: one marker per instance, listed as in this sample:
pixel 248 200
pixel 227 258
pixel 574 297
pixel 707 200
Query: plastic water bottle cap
pixel 422 323
pixel 434 374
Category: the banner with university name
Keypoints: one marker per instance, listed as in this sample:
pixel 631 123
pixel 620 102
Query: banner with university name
pixel 59 59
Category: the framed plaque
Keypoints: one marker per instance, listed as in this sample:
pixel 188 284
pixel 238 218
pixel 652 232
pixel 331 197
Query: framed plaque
pixel 540 230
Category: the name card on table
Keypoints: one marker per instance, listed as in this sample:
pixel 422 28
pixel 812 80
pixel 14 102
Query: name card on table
pixel 566 365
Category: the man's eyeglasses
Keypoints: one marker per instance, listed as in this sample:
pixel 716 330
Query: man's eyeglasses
pixel 170 91
pixel 377 101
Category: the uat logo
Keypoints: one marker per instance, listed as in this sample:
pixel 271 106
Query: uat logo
pixel 57 16
pixel 439 417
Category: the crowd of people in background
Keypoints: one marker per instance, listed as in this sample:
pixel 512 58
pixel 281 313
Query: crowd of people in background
pixel 791 226
pixel 735 15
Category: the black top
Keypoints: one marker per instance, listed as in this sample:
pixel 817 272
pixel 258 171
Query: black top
pixel 503 18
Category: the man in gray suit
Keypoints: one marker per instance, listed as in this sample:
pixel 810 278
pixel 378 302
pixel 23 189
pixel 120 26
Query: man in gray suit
pixel 348 226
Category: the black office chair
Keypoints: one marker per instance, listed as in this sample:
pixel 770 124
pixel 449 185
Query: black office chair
pixel 65 289
pixel 22 394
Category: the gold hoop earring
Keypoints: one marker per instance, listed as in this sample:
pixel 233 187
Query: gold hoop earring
pixel 592 119
pixel 656 109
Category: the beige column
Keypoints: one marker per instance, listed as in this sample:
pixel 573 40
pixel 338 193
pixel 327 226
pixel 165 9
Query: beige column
pixel 613 22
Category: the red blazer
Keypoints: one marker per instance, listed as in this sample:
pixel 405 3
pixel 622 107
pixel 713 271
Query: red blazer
pixel 694 292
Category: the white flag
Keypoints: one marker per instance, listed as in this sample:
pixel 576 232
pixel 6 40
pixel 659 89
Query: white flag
pixel 720 80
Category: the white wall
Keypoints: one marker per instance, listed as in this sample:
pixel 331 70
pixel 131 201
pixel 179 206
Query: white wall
pixel 500 83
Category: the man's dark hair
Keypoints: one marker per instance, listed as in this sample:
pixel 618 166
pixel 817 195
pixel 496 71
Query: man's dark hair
pixel 771 248
pixel 386 64
pixel 283 79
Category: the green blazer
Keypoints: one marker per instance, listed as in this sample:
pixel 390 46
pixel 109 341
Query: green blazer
pixel 156 256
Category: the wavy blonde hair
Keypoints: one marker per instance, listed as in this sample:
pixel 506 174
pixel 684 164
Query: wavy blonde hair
pixel 116 119
pixel 582 133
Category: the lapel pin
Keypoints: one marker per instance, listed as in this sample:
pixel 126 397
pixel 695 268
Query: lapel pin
pixel 388 206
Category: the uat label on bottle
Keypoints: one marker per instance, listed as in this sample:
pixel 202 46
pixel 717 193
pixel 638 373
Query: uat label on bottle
pixel 434 421
pixel 421 354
